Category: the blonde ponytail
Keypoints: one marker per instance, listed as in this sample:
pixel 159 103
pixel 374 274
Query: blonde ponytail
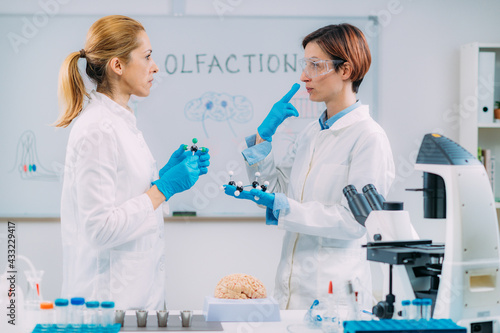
pixel 109 37
pixel 71 90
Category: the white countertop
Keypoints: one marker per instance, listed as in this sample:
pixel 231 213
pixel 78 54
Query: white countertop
pixel 291 321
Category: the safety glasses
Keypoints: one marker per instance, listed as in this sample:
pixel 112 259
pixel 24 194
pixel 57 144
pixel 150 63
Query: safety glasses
pixel 316 67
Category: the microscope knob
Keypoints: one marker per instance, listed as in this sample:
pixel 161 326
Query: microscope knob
pixel 378 310
pixel 383 310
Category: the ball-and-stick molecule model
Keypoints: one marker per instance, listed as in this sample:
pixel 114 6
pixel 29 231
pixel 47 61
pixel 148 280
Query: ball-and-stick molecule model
pixel 255 184
pixel 240 188
pixel 194 148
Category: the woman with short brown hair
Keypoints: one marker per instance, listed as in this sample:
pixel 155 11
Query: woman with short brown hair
pixel 345 146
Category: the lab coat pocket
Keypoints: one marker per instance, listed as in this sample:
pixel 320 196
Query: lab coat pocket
pixel 131 274
pixel 341 265
pixel 329 181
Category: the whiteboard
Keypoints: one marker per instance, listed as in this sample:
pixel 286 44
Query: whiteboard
pixel 218 79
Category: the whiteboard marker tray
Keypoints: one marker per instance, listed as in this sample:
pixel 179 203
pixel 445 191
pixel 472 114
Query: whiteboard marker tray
pixel 173 324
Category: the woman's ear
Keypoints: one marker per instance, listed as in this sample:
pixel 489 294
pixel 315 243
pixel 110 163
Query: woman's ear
pixel 116 66
pixel 346 71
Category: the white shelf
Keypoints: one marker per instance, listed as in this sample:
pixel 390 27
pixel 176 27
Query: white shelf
pixel 488 125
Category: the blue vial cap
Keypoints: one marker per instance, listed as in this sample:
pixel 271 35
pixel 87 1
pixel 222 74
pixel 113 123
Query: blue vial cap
pixel 416 301
pixel 61 302
pixel 405 302
pixel 77 301
pixel 92 304
pixel 107 305
pixel 427 301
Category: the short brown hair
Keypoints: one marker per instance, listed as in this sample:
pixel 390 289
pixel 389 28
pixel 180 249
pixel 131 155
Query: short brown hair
pixel 346 42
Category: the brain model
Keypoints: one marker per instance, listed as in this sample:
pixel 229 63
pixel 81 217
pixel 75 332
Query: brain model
pixel 240 286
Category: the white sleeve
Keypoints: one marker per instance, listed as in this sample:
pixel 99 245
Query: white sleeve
pixel 371 163
pixel 96 177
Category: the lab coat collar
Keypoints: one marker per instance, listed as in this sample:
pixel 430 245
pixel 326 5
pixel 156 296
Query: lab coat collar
pixel 360 113
pixel 126 114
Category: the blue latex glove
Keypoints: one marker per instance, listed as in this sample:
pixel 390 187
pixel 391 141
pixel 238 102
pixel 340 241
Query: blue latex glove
pixel 279 112
pixel 179 155
pixel 204 161
pixel 180 177
pixel 266 199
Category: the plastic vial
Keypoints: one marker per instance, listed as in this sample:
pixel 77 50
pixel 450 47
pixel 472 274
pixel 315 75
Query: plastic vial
pixel 352 301
pixel 92 318
pixel 405 311
pixel 61 312
pixel 76 311
pixel 108 313
pixel 417 308
pixel 426 308
pixel 330 318
pixel 46 314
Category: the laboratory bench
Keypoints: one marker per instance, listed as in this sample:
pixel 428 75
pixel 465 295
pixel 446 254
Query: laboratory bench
pixel 291 321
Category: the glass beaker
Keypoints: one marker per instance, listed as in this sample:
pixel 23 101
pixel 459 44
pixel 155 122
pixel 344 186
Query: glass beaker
pixel 33 296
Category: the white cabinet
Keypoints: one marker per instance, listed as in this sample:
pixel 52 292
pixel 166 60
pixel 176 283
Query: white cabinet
pixel 479 89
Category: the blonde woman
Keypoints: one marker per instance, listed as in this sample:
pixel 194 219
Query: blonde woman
pixel 111 216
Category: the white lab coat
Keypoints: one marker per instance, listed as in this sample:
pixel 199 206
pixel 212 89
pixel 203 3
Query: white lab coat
pixel 323 241
pixel 113 247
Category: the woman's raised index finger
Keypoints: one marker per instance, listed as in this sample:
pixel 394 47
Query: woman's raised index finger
pixel 290 94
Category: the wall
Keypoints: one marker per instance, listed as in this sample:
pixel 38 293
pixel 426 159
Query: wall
pixel 418 93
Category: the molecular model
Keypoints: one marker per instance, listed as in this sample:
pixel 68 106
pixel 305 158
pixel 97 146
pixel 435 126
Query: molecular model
pixel 240 187
pixel 194 147
pixel 255 183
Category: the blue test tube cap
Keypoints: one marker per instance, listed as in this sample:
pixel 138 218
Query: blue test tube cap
pixel 61 302
pixel 405 302
pixel 107 305
pixel 417 301
pixel 77 301
pixel 92 304
pixel 427 301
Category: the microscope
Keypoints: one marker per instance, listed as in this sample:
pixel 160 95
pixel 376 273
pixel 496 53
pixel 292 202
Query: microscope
pixel 462 275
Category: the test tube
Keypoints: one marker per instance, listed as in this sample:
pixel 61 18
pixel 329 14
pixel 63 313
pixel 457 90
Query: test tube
pixel 61 307
pixel 46 314
pixel 405 311
pixel 108 313
pixel 426 308
pixel 92 319
pixel 76 311
pixel 417 308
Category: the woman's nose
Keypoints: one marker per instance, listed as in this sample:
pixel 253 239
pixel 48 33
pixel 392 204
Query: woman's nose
pixel 304 78
pixel 155 68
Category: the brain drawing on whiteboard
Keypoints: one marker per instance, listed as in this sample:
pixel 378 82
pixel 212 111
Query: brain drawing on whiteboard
pixel 219 107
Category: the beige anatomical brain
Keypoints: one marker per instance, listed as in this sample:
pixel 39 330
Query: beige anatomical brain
pixel 240 286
